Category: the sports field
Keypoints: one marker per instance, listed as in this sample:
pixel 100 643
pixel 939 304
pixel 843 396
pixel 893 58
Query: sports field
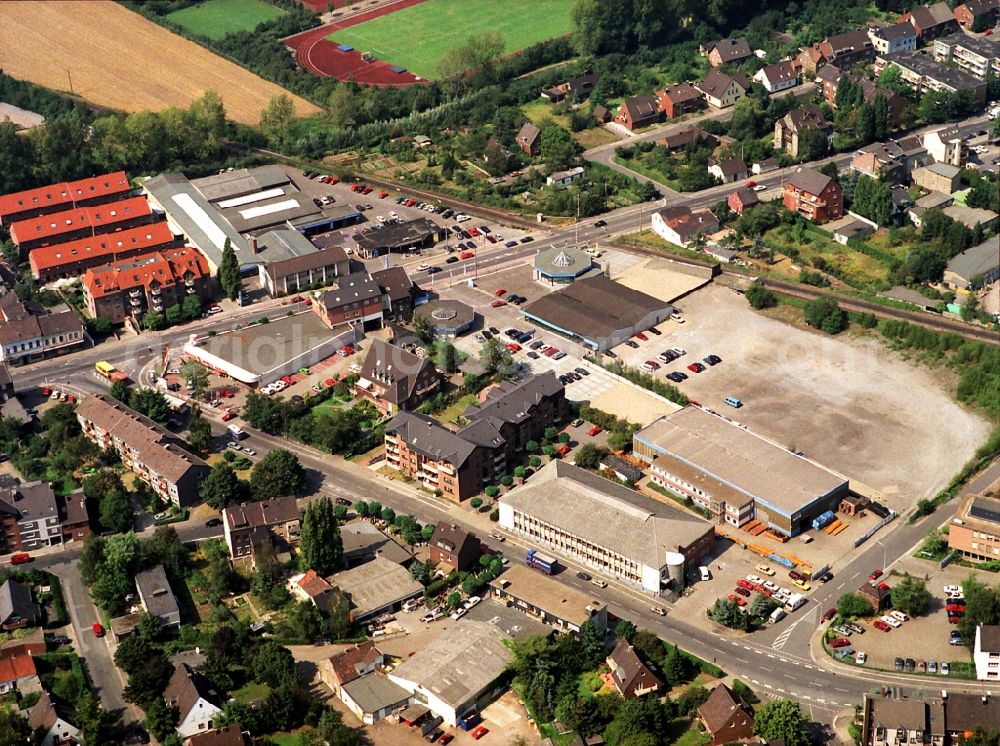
pixel 418 37
pixel 216 18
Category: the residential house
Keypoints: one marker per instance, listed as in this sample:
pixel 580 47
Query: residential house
pixel 814 195
pixel 742 199
pixel 29 333
pixel 972 269
pixel 565 178
pixel 55 719
pixel 976 55
pixel 45 200
pixel 577 89
pixel 681 139
pixel 728 170
pixel 350 664
pixel 681 225
pixel 17 607
pixel 394 379
pixel 986 653
pixel 938 177
pixel 849 228
pixel 923 73
pixel 309 269
pixel 75 257
pixel 842 50
pixel 788 130
pixel 726 51
pixel 766 166
pixel 881 160
pixel 638 112
pixel 196 701
pixel 899 37
pixel 914 151
pixel 18 671
pixel 30 517
pixel 725 717
pixel 246 525
pixel 601 114
pixel 721 90
pixel 148 282
pixel 154 454
pixel 355 299
pixel 374 697
pixel 974 15
pixel 157 598
pixel 73 516
pixel 931 21
pixel 311 587
pixel 80 222
pixel 777 77
pixel 228 735
pixel 811 59
pixel 529 139
pixel 631 676
pixel 877 596
pixel 897 722
pixel 680 99
pixel 454 547
pixel 398 293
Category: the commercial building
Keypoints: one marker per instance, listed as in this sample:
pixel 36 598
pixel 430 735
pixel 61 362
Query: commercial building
pixel 157 598
pixel 681 225
pixel 374 697
pixel 306 270
pixel 399 293
pixel 975 529
pixel 148 282
pixel 364 542
pixel 394 379
pixel 154 454
pixel 75 257
pixel 945 720
pixel 421 233
pixel 66 195
pixel 813 195
pixel 598 523
pixel 355 299
pixel 736 475
pixel 463 669
pixel 80 222
pixel 549 600
pixel 597 311
pixel 375 588
pixel 259 354
pixel 986 652
pixel 976 55
pixel 247 525
pixel 974 267
pixel 29 333
pixel 455 548
pixel 247 207
pixel 448 318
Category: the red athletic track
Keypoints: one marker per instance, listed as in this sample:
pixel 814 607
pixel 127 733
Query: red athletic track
pixel 313 52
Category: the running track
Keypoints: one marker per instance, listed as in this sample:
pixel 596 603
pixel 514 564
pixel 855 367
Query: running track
pixel 315 53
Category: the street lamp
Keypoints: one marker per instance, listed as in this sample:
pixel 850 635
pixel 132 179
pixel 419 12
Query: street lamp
pixel 884 555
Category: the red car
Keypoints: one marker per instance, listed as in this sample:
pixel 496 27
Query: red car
pixel 466 255
pixel 883 586
pixel 830 614
pixel 640 335
pixel 446 738
pixel 955 607
pixel 98 629
pixel 952 619
pixel 473 231
pixel 879 624
pixel 410 202
pixel 563 449
pixel 513 347
pixel 478 732
pixel 743 592
pixel 840 642
pixel 367 190
pixel 499 292
pixel 46 391
pixel 594 430
pixel 751 183
pixel 875 575
pixel 227 416
pixel 738 600
pixel 19 558
pixel 549 352
pixel 696 367
pixel 741 583
pixel 357 188
pixel 764 591
pixel 383 195
pixel 490 238
pixel 498 303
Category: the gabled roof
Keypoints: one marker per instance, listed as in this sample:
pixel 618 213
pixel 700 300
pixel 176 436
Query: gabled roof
pixel 16 667
pixel 979 7
pixel 895 32
pixel 716 82
pixel 512 402
pixel 929 16
pixel 720 707
pixel 806 117
pixel 846 43
pixel 681 93
pixel 394 282
pixel 810 181
pixel 229 735
pixel 306 261
pixel 976 261
pixel 731 167
pixel 16 601
pixel 262 513
pixel 313 585
pixel 626 666
pixel 47 710
pixel 104 245
pixel 156 269
pixel 65 193
pixel 31 501
pixel 186 687
pixel 92 218
pixel 686 222
pixel 349 664
pixel 640 107
pixel 450 538
pixel 528 134
pixel 425 436
pixel 356 287
pixel 730 50
pixel 394 371
pixel 747 197
pixel 779 72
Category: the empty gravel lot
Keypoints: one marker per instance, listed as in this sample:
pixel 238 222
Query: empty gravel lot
pixel 847 401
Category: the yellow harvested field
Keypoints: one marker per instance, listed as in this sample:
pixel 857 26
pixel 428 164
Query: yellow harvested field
pixel 119 60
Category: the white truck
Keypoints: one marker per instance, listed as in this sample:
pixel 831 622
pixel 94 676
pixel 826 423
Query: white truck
pixel 795 601
pixel 776 616
pixel 706 574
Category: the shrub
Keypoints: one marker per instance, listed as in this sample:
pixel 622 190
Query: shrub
pixel 492 491
pixel 476 503
pixel 507 480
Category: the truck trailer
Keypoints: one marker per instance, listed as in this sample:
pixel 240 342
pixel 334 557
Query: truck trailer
pixel 541 562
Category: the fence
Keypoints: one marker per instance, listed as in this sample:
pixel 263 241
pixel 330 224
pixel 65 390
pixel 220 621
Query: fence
pixel 874 529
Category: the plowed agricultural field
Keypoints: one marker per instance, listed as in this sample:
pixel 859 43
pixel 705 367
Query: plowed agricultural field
pixel 120 60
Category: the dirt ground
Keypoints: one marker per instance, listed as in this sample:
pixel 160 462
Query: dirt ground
pixel 848 402
pixel 633 405
pixel 656 278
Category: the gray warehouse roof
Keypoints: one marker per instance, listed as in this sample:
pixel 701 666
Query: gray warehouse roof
pixel 460 664
pixel 979 260
pixel 375 585
pixel 605 513
pixel 375 692
pixel 740 459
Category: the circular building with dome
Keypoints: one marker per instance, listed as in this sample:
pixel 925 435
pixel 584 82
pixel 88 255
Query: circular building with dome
pixel 557 267
pixel 448 318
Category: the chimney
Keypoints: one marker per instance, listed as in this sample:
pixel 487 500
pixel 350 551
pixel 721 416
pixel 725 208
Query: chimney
pixel 253 244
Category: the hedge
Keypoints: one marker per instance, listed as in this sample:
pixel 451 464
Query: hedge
pixel 439 585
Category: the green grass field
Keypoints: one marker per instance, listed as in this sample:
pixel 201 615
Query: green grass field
pixel 216 18
pixel 418 37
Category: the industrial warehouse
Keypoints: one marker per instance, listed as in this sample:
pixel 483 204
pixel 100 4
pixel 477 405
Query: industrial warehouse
pixel 606 526
pixel 735 475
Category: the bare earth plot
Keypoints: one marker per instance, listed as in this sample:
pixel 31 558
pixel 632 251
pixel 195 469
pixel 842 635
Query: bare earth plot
pixel 119 60
pixel 846 402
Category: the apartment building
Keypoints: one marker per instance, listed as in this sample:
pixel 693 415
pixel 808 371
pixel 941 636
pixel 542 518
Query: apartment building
pixel 900 37
pixel 813 195
pixel 923 73
pixel 790 128
pixel 986 653
pixel 975 529
pixel 394 379
pixel 80 222
pixel 30 518
pixel 976 55
pixel 149 282
pixel 944 720
pixel 947 145
pixel 356 299
pixel 76 257
pixel 29 333
pixel 32 203
pixel 246 525
pixel 155 455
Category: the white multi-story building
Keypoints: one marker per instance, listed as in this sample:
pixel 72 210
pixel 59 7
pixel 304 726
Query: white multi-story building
pixel 986 653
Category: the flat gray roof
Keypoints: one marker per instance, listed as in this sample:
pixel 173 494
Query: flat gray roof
pixel 547 594
pixel 737 457
pixel 375 585
pixel 157 596
pixel 361 536
pixel 979 260
pixel 605 513
pixel 374 692
pixel 460 664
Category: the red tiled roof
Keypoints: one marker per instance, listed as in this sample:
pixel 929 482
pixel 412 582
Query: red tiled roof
pixel 313 585
pixel 346 664
pixel 104 245
pixel 167 268
pixel 16 667
pixel 58 223
pixel 65 193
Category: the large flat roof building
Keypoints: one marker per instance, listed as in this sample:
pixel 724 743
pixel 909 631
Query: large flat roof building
pixel 597 311
pixel 737 474
pixel 548 599
pixel 375 587
pixel 617 531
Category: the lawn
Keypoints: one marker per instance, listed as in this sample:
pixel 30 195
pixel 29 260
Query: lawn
pixel 419 36
pixel 821 251
pixel 251 692
pixel 216 18
pixel 540 110
pixel 453 411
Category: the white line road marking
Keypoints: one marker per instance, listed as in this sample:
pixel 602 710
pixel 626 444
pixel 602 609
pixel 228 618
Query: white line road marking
pixel 758 652
pixel 772 657
pixel 820 700
pixel 754 681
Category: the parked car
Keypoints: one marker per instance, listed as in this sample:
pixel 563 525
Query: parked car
pixel 861 659
pixel 879 624
pixel 696 367
pixel 839 642
pixel 945 668
pixel 899 664
pixel 828 615
pixel 743 592
pixel 583 576
pixel 595 430
pixel 765 570
pixel 98 629
pixel 874 575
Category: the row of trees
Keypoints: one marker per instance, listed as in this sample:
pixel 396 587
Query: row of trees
pixel 277 474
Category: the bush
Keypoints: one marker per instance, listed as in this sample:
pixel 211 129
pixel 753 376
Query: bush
pixel 507 480
pixel 491 491
pixel 495 516
pixel 851 605
pixel 824 313
pixel 476 503
pixel 760 297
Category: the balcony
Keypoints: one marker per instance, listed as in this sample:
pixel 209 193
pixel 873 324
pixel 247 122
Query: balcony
pixel 189 282
pixel 135 293
pixel 154 292
pixel 135 302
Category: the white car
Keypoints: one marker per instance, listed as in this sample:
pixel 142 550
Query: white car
pixel 951 589
pixel 754 579
pixel 381 218
pixel 55 395
pixel 393 214
pixel 899 615
pixel 249 451
pixel 462 218
pixel 892 621
pixel 677 317
pixel 459 613
pixel 234 445
pixel 759 188
pixel 423 267
pixel 471 601
pixel 599 583
pixel 773 587
pixel 678 351
pixel 214 310
pixel 659 611
pixel 861 659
